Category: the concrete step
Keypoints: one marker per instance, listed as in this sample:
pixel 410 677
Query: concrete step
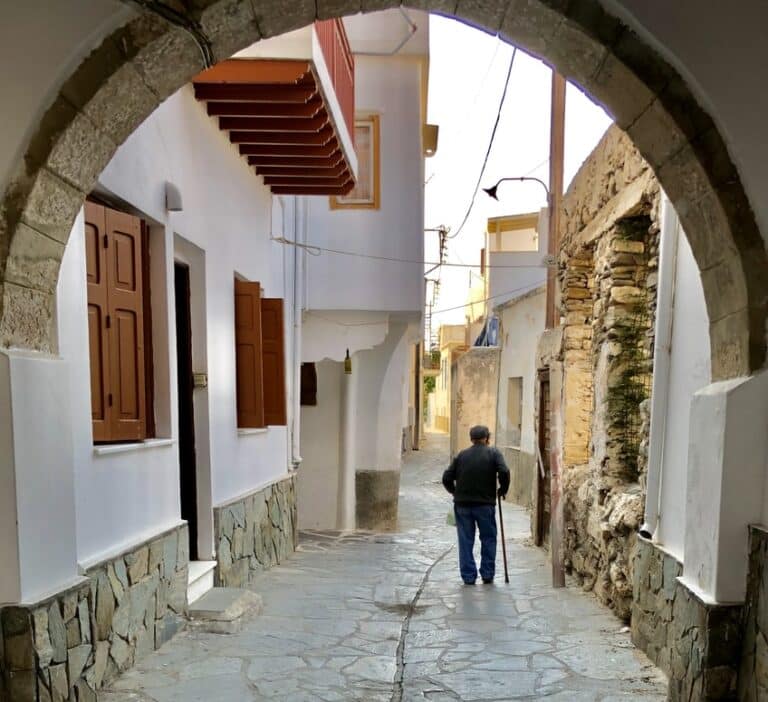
pixel 222 609
pixel 199 579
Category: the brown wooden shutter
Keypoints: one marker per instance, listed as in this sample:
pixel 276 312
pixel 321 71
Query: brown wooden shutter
pixel 273 361
pixel 126 326
pixel 250 390
pixel 96 239
pixel 309 384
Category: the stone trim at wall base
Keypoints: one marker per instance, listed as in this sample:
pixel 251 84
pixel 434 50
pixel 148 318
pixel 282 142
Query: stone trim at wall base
pixel 376 498
pixel 697 644
pixel 255 532
pixel 69 645
pixel 753 671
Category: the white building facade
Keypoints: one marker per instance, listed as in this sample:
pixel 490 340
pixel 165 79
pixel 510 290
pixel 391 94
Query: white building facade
pixel 185 307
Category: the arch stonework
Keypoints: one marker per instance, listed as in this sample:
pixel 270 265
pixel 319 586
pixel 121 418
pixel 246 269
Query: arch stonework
pixel 139 65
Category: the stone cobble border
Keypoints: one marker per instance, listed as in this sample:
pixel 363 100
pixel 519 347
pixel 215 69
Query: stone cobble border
pixel 255 532
pixel 68 646
pixel 753 672
pixel 145 61
pixel 696 643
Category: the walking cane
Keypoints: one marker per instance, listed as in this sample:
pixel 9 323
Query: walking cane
pixel 503 545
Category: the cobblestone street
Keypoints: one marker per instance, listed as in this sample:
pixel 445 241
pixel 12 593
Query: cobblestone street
pixel 385 617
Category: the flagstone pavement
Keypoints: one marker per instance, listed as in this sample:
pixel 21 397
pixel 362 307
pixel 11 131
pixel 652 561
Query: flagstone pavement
pixel 385 617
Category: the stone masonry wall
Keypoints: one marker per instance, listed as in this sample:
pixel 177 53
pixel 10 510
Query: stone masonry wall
pixel 697 644
pixel 255 532
pixel 608 262
pixel 753 672
pixel 68 646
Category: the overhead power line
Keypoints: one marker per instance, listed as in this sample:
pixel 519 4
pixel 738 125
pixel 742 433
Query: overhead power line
pixel 523 289
pixel 318 250
pixel 490 146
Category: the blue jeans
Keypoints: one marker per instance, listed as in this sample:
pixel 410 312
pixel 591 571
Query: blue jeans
pixel 484 517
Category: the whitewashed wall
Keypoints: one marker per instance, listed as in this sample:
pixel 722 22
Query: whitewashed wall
pixel 522 322
pixel 689 371
pixel 389 87
pixel 227 217
pixel 318 485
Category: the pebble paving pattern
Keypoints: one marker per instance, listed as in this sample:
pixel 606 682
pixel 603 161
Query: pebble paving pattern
pixel 385 617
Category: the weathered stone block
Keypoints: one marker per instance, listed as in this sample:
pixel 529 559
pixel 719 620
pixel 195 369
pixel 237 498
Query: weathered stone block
pixel 81 153
pixel 531 25
pixel 52 205
pixel 120 652
pixel 724 288
pixel 123 101
pixel 166 628
pixel 167 61
pixel 483 14
pixel 59 683
pixel 76 662
pixel 137 564
pixel 656 135
pixel 105 607
pixel 576 55
pixel 95 674
pixel 291 16
pixel 73 633
pixel 231 25
pixel 58 633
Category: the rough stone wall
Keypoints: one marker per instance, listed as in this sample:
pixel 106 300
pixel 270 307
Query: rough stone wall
pixel 474 391
pixel 655 576
pixel 753 672
pixel 608 262
pixel 697 644
pixel 255 532
pixel 69 645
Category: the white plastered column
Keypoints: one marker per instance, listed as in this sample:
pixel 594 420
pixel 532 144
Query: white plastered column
pixel 38 546
pixel 727 457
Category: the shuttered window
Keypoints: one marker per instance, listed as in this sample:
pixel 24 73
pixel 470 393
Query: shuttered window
pixel 273 361
pixel 116 324
pixel 308 384
pixel 260 357
pixel 250 388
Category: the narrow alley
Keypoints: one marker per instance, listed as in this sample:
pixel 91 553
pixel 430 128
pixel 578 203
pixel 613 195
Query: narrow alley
pixel 385 617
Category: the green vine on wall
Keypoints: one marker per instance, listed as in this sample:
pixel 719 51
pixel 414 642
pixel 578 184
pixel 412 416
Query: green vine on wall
pixel 630 386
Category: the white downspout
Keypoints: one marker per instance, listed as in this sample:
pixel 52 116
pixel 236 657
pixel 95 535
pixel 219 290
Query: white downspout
pixel 670 231
pixel 299 234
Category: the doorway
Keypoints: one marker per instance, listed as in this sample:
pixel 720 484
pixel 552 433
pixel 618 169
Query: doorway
pixel 542 501
pixel 187 457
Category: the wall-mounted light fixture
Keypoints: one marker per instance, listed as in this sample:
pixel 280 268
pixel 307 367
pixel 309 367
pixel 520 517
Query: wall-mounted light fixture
pixel 348 364
pixel 429 137
pixel 173 201
pixel 491 192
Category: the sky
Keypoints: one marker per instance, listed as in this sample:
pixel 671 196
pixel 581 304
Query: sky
pixel 465 88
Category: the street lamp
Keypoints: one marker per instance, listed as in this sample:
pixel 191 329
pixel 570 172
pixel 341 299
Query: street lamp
pixel 491 192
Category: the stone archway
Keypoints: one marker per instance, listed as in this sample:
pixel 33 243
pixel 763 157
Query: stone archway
pixel 145 61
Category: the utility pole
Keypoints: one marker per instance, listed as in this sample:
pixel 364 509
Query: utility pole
pixel 556 149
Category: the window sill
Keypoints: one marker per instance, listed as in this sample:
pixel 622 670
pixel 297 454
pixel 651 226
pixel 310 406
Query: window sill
pixel 248 432
pixel 109 449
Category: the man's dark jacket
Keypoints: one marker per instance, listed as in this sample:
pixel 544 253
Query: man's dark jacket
pixel 471 477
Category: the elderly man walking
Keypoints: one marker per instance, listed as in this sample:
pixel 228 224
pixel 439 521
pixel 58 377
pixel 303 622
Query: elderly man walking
pixel 472 480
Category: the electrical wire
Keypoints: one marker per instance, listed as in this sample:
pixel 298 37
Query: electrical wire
pixel 314 250
pixel 523 289
pixel 490 146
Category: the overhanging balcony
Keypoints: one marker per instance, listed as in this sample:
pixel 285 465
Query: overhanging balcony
pixel 288 104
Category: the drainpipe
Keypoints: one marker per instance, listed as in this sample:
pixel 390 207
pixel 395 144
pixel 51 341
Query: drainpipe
pixel 662 356
pixel 300 234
